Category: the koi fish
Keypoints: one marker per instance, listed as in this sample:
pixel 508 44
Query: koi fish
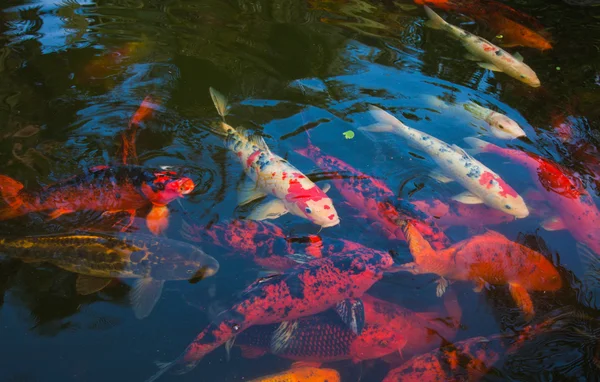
pixel 485 259
pixel 483 185
pixel 272 175
pixel 368 195
pixel 98 258
pixel 128 137
pixel 304 290
pixel 325 337
pixel 468 360
pixel 458 214
pixel 264 243
pixel 302 374
pixel 577 211
pixel 102 188
pixel 501 126
pixel 493 57
pixel 501 18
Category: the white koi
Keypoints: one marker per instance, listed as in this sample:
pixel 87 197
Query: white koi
pixel 480 49
pixel 483 185
pixel 270 174
pixel 501 126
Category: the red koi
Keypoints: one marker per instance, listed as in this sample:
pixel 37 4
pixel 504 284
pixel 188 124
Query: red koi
pixel 262 242
pixel 485 259
pixel 577 211
pixel 370 196
pixel 103 188
pixel 325 337
pixel 128 137
pixel 467 360
pixel 304 290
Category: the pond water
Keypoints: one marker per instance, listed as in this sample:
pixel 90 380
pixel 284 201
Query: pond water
pixel 298 73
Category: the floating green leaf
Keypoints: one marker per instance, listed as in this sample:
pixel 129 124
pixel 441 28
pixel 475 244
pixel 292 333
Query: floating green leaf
pixel 348 134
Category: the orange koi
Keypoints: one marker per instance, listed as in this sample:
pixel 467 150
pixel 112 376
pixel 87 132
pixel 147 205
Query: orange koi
pixel 302 374
pixel 485 259
pixel 128 137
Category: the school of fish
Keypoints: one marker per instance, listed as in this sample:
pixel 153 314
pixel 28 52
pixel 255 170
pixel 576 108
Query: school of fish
pixel 315 300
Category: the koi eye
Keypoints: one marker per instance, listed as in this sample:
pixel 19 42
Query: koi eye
pixel 159 186
pixel 383 343
pixel 235 327
pixel 308 210
pixel 523 76
pixel 508 207
pixel 500 126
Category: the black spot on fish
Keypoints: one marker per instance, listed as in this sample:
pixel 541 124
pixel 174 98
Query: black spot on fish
pixel 296 287
pixel 499 53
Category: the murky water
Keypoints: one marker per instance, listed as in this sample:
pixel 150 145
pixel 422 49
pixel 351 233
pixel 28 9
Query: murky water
pixel 73 74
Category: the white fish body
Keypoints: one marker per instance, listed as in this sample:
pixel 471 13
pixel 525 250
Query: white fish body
pixel 501 126
pixel 272 175
pixel 480 49
pixel 483 185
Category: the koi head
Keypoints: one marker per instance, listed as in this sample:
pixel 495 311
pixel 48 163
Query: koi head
pixel 307 200
pixel 504 127
pixel 166 186
pixel 545 277
pixel 524 74
pixel 377 341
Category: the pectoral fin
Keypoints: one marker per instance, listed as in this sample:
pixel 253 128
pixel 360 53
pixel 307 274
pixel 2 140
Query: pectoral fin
pixel 518 57
pixel 228 346
pixel 248 192
pixel 471 57
pixel 522 299
pixel 352 313
pixel 442 285
pixel 488 66
pixel 467 198
pixel 553 224
pixel 440 177
pixel 88 284
pixel 326 187
pixel 270 210
pixel 157 219
pixel 144 296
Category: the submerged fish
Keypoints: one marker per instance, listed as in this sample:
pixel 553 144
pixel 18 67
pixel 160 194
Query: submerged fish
pixel 102 188
pixel 458 214
pixel 494 58
pixel 483 185
pixel 262 242
pixel 325 337
pixel 98 258
pixel 369 196
pixel 302 291
pixel 468 360
pixel 302 374
pixel 502 19
pixel 501 126
pixel 485 259
pixel 576 209
pixel 272 175
pixel 128 137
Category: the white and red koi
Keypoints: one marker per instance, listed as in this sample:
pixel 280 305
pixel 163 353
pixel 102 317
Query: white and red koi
pixel 483 185
pixel 272 175
pixel 576 209
pixel 493 57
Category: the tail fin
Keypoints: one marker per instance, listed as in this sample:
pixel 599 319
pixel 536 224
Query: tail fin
pixel 9 189
pixel 220 102
pixel 384 118
pixel 477 145
pixel 435 22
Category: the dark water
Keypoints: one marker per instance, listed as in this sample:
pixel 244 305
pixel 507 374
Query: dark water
pixel 79 70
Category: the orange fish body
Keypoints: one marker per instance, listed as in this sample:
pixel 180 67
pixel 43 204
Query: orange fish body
pixel 302 374
pixel 467 360
pixel 486 259
pixel 128 137
pixel 501 18
pixel 104 188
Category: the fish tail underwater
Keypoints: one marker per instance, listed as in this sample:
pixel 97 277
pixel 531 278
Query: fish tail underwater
pixel 310 190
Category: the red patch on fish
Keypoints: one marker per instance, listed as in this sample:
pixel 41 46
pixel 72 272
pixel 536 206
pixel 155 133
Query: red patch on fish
pixel 488 48
pixel 284 175
pixel 252 158
pixel 487 178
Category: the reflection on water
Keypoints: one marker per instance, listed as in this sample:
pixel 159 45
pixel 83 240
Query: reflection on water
pixel 301 74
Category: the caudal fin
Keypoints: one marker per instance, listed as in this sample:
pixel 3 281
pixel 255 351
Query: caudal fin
pixel 435 21
pixel 220 102
pixel 9 189
pixel 478 146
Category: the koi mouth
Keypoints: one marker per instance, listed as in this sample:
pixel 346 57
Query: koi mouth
pixel 332 223
pixel 187 186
